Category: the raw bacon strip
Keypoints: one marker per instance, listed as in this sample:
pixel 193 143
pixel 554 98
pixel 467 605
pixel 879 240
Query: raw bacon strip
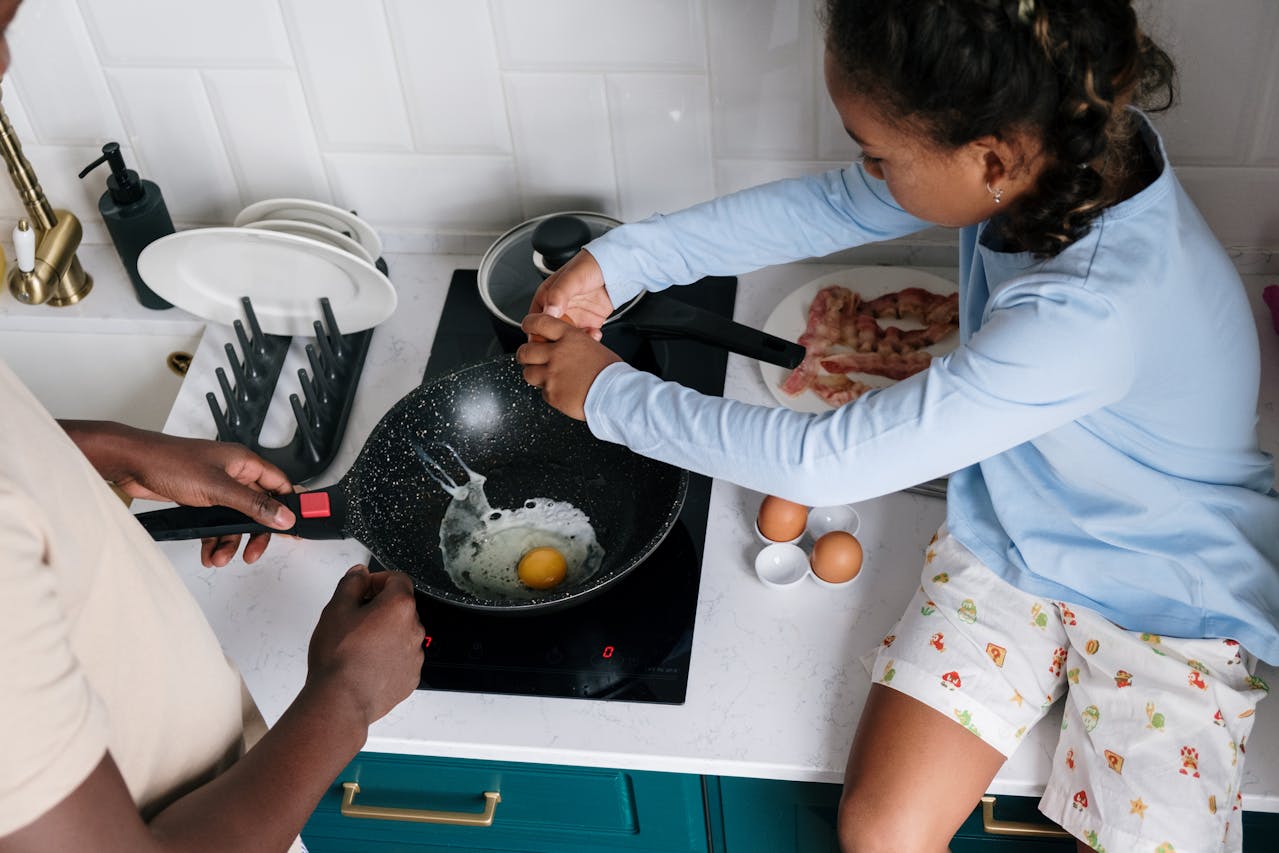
pixel 893 365
pixel 838 390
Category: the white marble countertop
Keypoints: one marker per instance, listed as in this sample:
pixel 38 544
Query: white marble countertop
pixel 775 686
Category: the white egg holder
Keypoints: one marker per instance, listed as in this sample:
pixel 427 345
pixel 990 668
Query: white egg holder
pixel 783 565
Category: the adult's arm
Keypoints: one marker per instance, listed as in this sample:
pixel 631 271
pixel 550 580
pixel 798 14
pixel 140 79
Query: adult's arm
pixel 365 656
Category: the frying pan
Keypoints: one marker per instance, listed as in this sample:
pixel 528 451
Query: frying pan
pixel 502 428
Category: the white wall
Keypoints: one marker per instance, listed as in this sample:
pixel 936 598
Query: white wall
pixel 446 121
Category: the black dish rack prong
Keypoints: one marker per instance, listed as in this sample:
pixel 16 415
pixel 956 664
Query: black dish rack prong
pixel 335 360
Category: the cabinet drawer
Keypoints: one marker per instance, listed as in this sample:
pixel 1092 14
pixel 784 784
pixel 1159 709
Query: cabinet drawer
pixel 542 807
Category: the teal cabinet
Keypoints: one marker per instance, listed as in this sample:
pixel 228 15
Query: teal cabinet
pixel 764 816
pixel 413 804
pixel 422 805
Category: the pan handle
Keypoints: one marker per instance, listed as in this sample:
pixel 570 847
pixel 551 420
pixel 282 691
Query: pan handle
pixel 657 315
pixel 320 513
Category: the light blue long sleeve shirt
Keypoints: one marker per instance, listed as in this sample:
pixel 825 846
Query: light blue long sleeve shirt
pixel 1098 418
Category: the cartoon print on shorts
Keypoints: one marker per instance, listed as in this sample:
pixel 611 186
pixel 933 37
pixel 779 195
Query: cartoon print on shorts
pixel 1038 617
pixel 888 673
pixel 928 609
pixel 938 641
pixel 1195 677
pixel 1166 847
pixel 1137 807
pixel 930 556
pixel 1123 678
pixel 951 680
pixel 1212 804
pixel 1092 646
pixel 1073 674
pixel 1153 640
pixel 1256 682
pixel 1070 759
pixel 1058 661
pixel 1238 658
pixel 1114 761
pixel 1189 762
pixel 941 578
pixel 967 611
pixel 1080 800
pixel 889 640
pixel 966 720
pixel 1091 839
pixel 1217 719
pixel 1234 753
pixel 1067 615
pixel 1091 717
pixel 996 654
pixel 1155 720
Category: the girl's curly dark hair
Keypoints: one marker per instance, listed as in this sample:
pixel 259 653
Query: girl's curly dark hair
pixel 1063 70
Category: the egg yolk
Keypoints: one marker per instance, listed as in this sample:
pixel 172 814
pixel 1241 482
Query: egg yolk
pixel 542 568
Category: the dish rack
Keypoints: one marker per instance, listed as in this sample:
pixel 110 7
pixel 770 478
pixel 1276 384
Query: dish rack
pixel 336 361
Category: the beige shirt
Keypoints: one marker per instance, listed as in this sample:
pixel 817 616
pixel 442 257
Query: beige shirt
pixel 102 648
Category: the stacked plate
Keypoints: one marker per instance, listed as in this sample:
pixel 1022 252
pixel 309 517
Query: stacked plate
pixel 284 254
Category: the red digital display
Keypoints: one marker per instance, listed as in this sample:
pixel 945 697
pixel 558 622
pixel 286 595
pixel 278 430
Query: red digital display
pixel 608 652
pixel 426 641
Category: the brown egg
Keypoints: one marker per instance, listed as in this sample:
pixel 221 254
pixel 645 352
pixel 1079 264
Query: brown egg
pixel 781 520
pixel 836 557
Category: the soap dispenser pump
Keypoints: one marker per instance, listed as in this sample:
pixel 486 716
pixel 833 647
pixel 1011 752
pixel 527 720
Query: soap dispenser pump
pixel 135 214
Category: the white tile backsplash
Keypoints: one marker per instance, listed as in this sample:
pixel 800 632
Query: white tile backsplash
pixel 661 125
pixel 348 69
pixel 601 34
pixel 440 193
pixel 187 33
pixel 65 86
pixel 451 77
pixel 564 157
pixel 449 120
pixel 763 88
pixel 177 142
pixel 273 151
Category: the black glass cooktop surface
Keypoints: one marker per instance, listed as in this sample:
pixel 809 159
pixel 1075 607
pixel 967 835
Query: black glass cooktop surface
pixel 633 640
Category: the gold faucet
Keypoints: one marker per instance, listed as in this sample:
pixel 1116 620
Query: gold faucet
pixel 56 276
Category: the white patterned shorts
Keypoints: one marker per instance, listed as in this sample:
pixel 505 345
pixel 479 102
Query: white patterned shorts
pixel 1154 729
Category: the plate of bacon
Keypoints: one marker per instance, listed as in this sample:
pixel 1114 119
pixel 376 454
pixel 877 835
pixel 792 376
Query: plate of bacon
pixel 863 328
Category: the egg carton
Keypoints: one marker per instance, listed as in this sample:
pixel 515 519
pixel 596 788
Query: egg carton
pixel 336 361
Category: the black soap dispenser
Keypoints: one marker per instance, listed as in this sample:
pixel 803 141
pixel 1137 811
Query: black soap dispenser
pixel 135 214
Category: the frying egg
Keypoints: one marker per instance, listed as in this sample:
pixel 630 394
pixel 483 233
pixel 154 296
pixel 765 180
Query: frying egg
pixel 542 568
pixel 836 557
pixel 781 520
pixel 485 549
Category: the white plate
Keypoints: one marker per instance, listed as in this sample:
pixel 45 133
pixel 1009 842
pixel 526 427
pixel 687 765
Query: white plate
pixel 207 270
pixel 790 318
pixel 315 232
pixel 318 213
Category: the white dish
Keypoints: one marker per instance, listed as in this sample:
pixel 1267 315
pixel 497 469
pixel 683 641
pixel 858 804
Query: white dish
pixel 315 232
pixel 318 213
pixel 824 519
pixel 207 270
pixel 781 565
pixel 790 318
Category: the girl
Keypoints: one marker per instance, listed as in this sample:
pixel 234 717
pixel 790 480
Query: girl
pixel 1111 523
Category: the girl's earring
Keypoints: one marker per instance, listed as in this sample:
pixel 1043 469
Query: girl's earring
pixel 997 193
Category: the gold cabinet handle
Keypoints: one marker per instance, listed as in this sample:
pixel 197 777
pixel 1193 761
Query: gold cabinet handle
pixel 1019 828
pixel 484 818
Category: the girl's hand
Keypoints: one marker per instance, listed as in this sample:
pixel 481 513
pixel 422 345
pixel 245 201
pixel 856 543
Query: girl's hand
pixel 565 364
pixel 576 290
pixel 195 472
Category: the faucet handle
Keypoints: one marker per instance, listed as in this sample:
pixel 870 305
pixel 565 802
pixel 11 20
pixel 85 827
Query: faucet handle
pixel 24 246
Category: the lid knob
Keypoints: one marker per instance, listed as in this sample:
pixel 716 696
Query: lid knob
pixel 556 240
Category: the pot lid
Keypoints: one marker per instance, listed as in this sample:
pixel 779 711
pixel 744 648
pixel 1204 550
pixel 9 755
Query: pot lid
pixel 523 257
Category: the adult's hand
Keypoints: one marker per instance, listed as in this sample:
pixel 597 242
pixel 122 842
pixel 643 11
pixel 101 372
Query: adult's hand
pixel 576 290
pixel 367 646
pixel 563 361
pixel 195 472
